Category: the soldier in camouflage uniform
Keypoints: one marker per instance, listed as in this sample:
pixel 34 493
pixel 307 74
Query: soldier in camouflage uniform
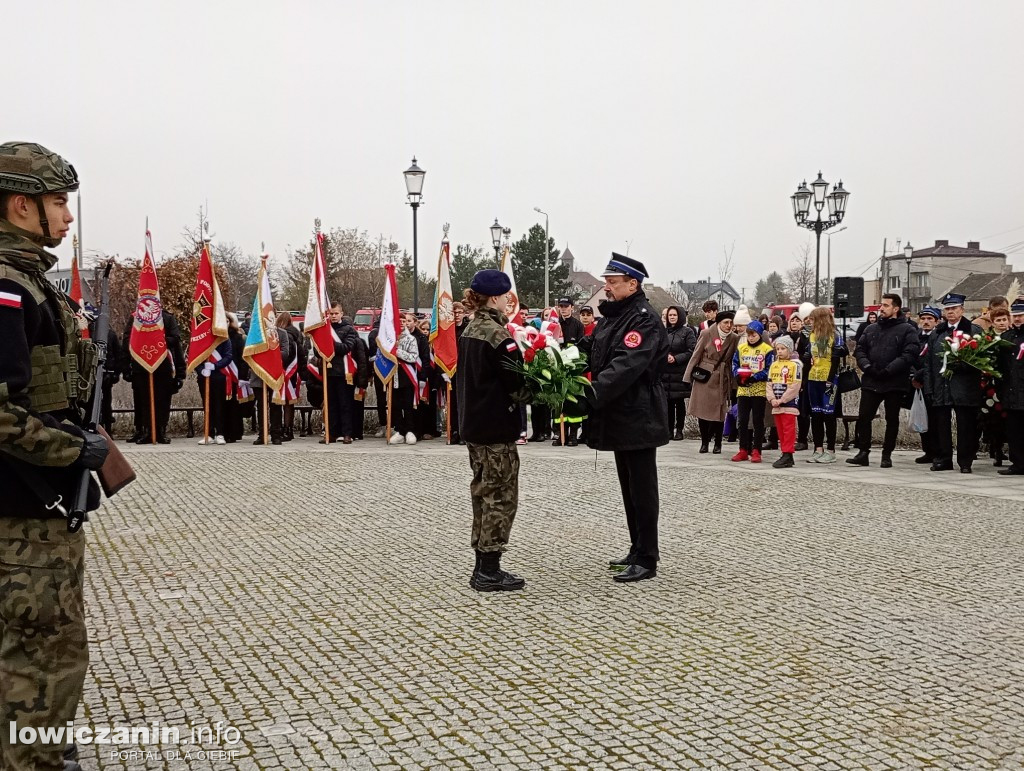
pixel 45 382
pixel 489 422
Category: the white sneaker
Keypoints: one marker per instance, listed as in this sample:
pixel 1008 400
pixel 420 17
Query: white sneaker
pixel 220 439
pixel 397 438
pixel 208 440
pixel 379 434
pixel 827 457
pixel 815 457
pixel 410 438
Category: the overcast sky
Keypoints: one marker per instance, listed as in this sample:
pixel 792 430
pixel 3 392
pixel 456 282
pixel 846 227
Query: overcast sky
pixel 680 127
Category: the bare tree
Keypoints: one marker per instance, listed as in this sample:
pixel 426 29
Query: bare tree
pixel 727 265
pixel 800 278
pixel 241 269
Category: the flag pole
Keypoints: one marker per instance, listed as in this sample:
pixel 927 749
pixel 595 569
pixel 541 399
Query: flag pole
pixel 387 432
pixel 266 416
pixel 561 428
pixel 448 411
pixel 206 412
pixel 327 419
pixel 152 410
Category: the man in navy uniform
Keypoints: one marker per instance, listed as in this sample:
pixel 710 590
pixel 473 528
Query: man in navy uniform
pixel 627 353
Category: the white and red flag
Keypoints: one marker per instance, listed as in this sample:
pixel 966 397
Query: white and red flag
pixel 513 313
pixel 442 321
pixel 209 324
pixel 262 348
pixel 390 329
pixel 148 343
pixel 317 326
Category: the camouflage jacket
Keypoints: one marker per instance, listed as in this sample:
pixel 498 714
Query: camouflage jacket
pixel 37 421
pixel 489 389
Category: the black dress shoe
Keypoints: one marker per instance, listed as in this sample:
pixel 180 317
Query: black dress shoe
pixel 965 469
pixel 717 449
pixel 1011 471
pixel 144 439
pixel 860 459
pixel 886 462
pixel 677 436
pixel 939 466
pixel 134 438
pixel 926 458
pixel 620 563
pixel 635 573
pixel 162 440
pixel 703 448
pixel 556 442
pixel 571 442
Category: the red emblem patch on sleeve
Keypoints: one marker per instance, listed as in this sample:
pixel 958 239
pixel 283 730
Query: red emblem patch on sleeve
pixel 632 339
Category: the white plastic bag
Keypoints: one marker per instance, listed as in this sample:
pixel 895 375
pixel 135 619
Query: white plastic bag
pixel 919 413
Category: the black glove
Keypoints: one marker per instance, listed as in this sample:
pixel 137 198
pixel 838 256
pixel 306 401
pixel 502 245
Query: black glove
pixel 94 452
pixel 178 383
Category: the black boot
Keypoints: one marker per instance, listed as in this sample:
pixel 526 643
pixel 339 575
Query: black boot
pixel 144 438
pixel 489 577
pixel 860 459
pixel 926 458
pixel 718 446
pixel 574 430
pixel 785 461
pixel 703 448
pixel 677 436
pixel 886 460
pixel 134 438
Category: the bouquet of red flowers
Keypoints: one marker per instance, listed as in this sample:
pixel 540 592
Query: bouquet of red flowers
pixel 554 375
pixel 977 351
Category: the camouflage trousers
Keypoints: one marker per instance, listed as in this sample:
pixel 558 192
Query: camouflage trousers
pixel 43 643
pixel 495 492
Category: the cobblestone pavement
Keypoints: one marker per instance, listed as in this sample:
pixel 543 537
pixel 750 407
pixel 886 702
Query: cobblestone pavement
pixel 316 599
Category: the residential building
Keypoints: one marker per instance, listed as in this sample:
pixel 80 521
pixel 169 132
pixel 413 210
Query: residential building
pixel 582 284
pixel 658 297
pixel 692 295
pixel 979 288
pixel 935 270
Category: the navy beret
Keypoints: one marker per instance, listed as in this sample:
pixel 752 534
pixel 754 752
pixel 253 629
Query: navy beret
pixel 490 283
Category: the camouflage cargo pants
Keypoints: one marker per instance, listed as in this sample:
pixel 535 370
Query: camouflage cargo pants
pixel 495 492
pixel 43 644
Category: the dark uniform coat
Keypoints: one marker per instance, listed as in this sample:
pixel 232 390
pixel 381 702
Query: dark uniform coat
pixel 682 341
pixel 488 391
pixel 1010 386
pixel 628 352
pixel 963 389
pixel 887 353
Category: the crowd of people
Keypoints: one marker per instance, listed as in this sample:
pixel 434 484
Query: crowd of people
pixel 736 374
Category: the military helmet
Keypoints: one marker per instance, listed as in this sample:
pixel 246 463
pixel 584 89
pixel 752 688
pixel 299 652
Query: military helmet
pixel 31 169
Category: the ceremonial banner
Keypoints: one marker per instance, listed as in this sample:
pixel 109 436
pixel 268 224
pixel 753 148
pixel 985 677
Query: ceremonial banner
pixel 76 294
pixel 316 325
pixel 209 324
pixel 442 321
pixel 512 313
pixel 148 344
pixel 390 328
pixel 262 348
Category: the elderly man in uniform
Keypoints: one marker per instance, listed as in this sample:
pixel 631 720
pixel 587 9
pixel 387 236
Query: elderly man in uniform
pixel 43 642
pixel 629 412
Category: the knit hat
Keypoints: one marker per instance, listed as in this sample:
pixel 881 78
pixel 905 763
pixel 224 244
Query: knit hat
pixel 742 316
pixel 784 340
pixel 755 326
pixel 804 310
pixel 723 315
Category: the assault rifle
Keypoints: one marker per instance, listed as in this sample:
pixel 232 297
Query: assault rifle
pixel 116 472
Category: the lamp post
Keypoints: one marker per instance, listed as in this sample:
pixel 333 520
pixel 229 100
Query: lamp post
pixel 908 255
pixel 547 259
pixel 414 191
pixel 836 201
pixel 828 280
pixel 496 240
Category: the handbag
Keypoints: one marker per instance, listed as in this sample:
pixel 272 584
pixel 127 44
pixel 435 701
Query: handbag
pixel 848 380
pixel 700 375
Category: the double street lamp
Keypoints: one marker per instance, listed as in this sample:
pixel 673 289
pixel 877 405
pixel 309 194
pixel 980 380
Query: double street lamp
pixel 414 192
pixel 836 201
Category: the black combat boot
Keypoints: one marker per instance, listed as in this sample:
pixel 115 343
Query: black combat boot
pixel 860 459
pixel 785 461
pixel 489 577
pixel 572 441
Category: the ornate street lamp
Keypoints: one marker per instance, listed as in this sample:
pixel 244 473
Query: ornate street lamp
pixel 908 255
pixel 414 192
pixel 836 202
pixel 496 238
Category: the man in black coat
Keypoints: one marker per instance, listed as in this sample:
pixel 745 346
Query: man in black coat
pixel 572 327
pixel 341 391
pixel 887 354
pixel 167 381
pixel 928 318
pixel 1011 388
pixel 959 394
pixel 628 352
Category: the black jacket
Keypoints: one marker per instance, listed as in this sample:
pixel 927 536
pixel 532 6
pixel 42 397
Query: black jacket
pixel 572 329
pixel 346 343
pixel 1011 365
pixel 681 342
pixel 963 388
pixel 628 353
pixel 488 391
pixel 887 354
pixel 172 367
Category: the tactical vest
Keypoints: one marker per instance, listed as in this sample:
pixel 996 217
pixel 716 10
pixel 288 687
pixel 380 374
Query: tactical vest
pixel 62 376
